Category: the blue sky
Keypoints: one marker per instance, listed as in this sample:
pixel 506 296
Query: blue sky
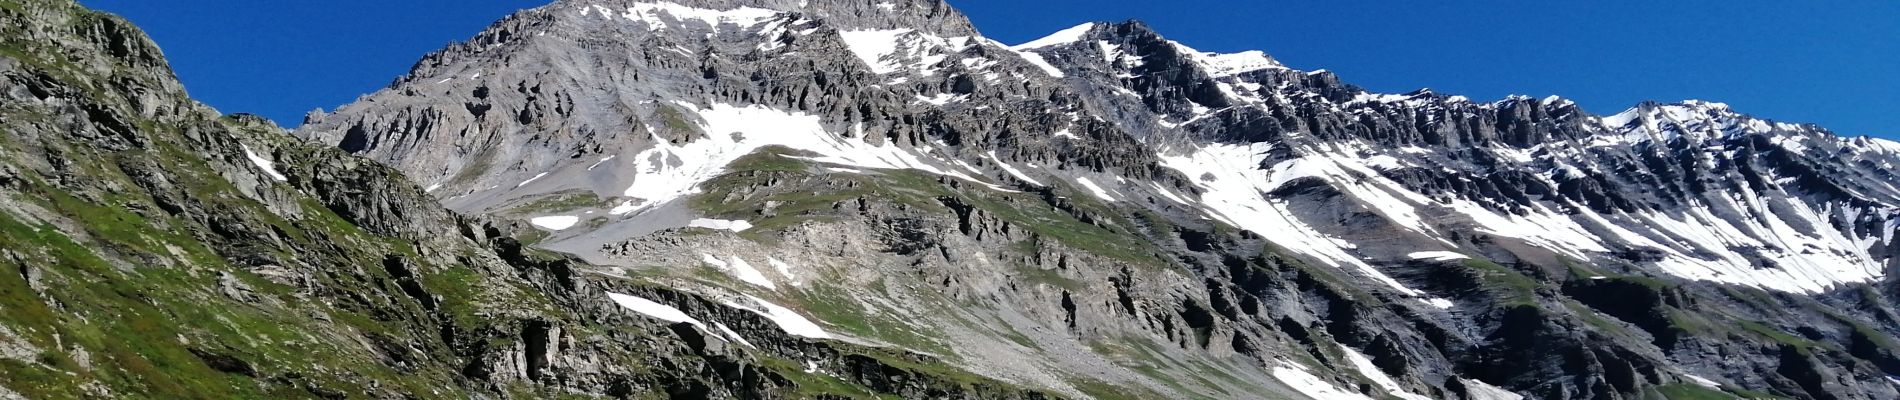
pixel 1838 66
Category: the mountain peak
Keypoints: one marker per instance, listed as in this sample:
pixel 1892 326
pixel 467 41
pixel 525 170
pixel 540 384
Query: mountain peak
pixel 1138 32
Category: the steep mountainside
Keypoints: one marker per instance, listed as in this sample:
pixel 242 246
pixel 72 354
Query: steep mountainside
pixel 155 249
pixel 1108 208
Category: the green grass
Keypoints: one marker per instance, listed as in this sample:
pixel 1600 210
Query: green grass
pixel 672 118
pixel 771 176
pixel 839 309
pixel 1518 289
pixel 1326 276
pixel 141 321
pixel 142 289
pixel 1591 317
pixel 810 385
pixel 1144 357
pixel 562 201
pixel 1771 333
pixel 1100 390
pixel 1692 392
pixel 1689 322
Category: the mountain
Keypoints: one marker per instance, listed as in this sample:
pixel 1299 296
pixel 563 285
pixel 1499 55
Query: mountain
pixel 1105 207
pixel 846 199
pixel 157 249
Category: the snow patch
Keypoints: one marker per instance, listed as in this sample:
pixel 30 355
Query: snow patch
pixel 784 269
pixel 1011 169
pixel 1036 59
pixel 941 99
pixel 1378 377
pixel 653 309
pixel 1704 382
pixel 1169 194
pixel 1234 188
pixel 668 172
pixel 734 335
pixel 787 320
pixel 1095 189
pixel 1485 391
pixel 1065 36
pixel 892 50
pixel 556 223
pixel 1295 375
pixel 531 180
pixel 270 168
pixel 721 225
pixel 1438 256
pixel 598 163
pixel 660 15
pixel 738 268
pixel 1225 65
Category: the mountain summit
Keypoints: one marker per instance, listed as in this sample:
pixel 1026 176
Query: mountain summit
pixel 869 199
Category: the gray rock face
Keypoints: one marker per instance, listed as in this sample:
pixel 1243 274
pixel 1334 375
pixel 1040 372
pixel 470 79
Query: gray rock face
pixel 1108 212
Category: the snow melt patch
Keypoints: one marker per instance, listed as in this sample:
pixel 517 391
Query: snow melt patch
pixel 1295 375
pixel 1806 253
pixel 1224 65
pixel 556 223
pixel 668 172
pixel 531 180
pixel 1011 169
pixel 653 309
pixel 659 15
pixel 1438 256
pixel 1378 377
pixel 942 99
pixel 1062 37
pixel 891 50
pixel 1095 189
pixel 1234 191
pixel 784 269
pixel 1036 59
pixel 264 164
pixel 738 268
pixel 721 225
pixel 1704 382
pixel 787 320
pixel 734 335
pixel 1485 391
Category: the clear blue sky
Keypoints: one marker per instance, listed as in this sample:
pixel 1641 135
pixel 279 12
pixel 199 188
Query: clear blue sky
pixel 1838 66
